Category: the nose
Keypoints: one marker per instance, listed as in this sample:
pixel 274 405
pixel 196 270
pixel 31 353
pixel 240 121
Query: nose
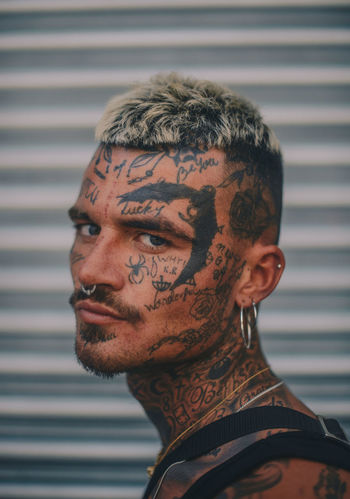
pixel 102 265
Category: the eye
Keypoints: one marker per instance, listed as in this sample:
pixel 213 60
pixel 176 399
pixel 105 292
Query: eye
pixel 153 241
pixel 87 230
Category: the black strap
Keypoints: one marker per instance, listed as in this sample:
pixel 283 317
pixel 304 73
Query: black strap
pixel 291 444
pixel 235 426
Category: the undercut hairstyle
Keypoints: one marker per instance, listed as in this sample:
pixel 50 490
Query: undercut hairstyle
pixel 171 111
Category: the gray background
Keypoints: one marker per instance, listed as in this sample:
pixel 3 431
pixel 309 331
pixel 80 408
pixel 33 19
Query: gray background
pixel 64 433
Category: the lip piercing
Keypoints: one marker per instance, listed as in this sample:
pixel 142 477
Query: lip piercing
pixel 88 291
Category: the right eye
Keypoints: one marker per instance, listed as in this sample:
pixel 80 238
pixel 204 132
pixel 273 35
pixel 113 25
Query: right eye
pixel 87 230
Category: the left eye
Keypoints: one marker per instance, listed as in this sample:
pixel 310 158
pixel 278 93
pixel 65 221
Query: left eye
pixel 87 229
pixel 154 241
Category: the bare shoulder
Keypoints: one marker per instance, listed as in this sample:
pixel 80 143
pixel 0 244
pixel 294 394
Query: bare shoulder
pixel 291 478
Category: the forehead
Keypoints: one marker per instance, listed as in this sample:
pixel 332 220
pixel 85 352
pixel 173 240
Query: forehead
pixel 128 169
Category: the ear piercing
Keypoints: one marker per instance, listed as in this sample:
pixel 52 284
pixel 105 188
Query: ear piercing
pixel 246 329
pixel 279 265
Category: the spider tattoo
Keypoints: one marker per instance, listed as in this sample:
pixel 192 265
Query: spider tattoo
pixel 138 271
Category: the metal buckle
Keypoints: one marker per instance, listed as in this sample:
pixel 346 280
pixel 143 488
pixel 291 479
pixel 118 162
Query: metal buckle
pixel 327 433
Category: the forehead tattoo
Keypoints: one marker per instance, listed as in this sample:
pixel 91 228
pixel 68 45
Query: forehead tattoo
pixel 200 216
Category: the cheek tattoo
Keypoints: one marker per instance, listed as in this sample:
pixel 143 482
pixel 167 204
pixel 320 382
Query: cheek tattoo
pixel 203 221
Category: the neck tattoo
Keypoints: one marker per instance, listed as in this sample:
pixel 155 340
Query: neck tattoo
pixel 162 455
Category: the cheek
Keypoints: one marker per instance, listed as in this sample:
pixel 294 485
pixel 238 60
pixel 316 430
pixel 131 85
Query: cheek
pixel 166 269
pixel 223 263
pixel 203 305
pixel 75 257
pixel 76 261
pixel 158 272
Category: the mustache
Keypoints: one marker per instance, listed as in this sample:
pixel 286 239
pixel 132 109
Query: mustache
pixel 105 297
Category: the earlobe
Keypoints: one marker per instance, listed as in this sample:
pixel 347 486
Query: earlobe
pixel 264 268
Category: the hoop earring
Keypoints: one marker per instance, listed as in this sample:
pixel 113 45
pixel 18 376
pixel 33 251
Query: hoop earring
pixel 251 323
pixel 88 291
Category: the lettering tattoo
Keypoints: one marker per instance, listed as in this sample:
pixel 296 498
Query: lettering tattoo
pixel 92 333
pixel 275 401
pixel 171 298
pixel 119 168
pixel 198 164
pixel 200 216
pixel 187 160
pixel 103 151
pixel 143 209
pixel 202 395
pixel 89 190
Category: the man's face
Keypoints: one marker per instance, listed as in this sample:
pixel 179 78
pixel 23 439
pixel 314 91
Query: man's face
pixel 153 234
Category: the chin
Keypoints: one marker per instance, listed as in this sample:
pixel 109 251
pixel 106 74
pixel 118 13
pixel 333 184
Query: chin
pixel 92 349
pixel 101 353
pixel 94 360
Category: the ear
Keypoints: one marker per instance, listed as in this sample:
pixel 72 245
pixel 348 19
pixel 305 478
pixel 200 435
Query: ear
pixel 262 272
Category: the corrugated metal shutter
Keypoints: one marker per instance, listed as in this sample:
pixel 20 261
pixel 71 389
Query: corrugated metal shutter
pixel 63 433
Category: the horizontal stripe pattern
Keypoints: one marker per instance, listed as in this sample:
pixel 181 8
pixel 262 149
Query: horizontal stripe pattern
pixel 174 38
pixel 78 5
pixel 64 433
pixel 241 75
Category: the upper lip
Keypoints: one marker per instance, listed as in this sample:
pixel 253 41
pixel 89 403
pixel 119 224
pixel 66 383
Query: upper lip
pixel 96 308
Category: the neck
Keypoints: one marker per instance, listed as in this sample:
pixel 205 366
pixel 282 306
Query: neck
pixel 184 396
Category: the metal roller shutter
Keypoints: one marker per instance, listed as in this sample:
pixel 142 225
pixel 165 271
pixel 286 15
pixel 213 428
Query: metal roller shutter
pixel 63 433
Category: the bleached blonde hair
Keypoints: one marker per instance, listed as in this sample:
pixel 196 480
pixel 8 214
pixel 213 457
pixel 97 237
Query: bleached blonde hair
pixel 176 111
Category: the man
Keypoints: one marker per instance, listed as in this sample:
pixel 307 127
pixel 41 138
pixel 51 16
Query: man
pixel 177 225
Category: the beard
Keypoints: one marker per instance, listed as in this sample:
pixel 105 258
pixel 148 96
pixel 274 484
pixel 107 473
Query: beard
pixel 93 364
pixel 89 355
pixel 92 335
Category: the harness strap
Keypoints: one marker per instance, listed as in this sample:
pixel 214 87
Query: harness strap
pixel 286 445
pixel 238 425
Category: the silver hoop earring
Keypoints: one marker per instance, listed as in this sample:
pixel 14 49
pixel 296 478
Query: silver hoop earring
pixel 88 291
pixel 246 331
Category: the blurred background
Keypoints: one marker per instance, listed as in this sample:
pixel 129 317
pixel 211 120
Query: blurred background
pixel 67 434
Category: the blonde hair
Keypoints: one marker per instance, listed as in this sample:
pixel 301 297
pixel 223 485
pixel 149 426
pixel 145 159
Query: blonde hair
pixel 175 111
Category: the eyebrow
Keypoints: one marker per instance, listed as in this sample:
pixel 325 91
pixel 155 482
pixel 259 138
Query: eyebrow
pixel 160 224
pixel 75 214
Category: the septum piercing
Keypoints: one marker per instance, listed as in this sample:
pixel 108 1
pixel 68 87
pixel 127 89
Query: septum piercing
pixel 88 291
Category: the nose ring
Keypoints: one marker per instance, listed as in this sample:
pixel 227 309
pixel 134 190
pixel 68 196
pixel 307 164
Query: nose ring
pixel 88 290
